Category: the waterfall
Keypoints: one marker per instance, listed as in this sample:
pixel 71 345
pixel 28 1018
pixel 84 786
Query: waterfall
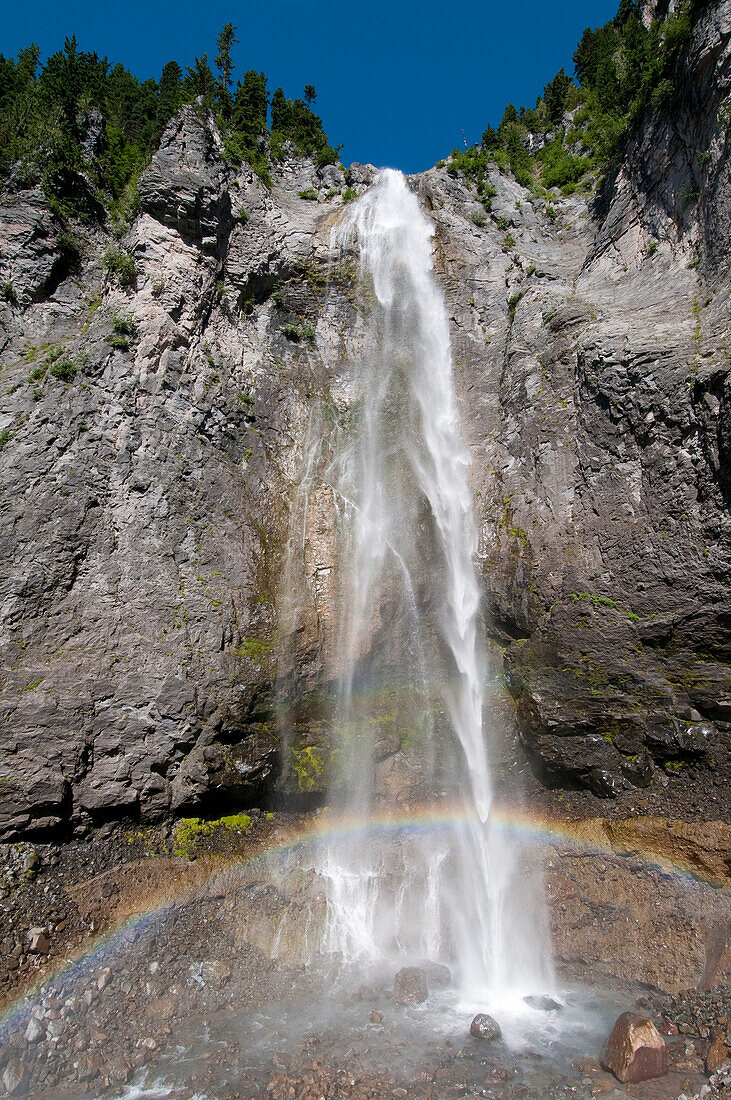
pixel 445 884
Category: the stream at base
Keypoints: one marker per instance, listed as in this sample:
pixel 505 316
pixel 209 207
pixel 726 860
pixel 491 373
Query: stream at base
pixel 421 1050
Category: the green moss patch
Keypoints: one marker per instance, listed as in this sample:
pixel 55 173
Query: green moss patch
pixel 190 830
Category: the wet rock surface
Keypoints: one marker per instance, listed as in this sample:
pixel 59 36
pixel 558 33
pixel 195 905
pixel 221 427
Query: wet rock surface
pixel 410 986
pixel 484 1026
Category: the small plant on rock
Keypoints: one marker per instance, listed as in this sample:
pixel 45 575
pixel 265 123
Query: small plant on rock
pixel 120 266
pixel 64 369
pixel 124 324
pixel 292 333
pixel 513 304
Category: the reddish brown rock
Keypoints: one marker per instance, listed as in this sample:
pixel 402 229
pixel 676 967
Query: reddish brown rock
pixel 717 1055
pixel 635 1050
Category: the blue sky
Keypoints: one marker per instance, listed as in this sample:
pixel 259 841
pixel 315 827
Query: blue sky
pixel 397 80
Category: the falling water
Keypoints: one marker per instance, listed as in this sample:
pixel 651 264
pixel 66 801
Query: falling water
pixel 413 671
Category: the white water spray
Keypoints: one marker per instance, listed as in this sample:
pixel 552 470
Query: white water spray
pixel 411 695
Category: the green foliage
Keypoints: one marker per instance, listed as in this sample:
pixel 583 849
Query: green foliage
pixel 513 304
pixel 7 292
pixel 555 96
pixel 86 129
pixel 309 193
pixel 293 121
pixel 256 649
pixel 64 369
pixel 596 601
pixel 120 266
pixel 5 436
pixel 292 333
pixel 70 252
pixel 326 155
pixel 349 194
pixel 225 66
pixel 621 69
pixel 243 140
pixel 124 325
pixel 558 167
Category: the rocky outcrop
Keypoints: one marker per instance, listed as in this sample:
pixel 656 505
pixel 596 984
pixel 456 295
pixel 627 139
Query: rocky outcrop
pixel 164 483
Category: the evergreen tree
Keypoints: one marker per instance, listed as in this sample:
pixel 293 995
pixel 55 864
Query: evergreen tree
pixel 555 95
pixel 200 82
pixel 169 95
pixel 249 114
pixel 225 66
pixel 281 113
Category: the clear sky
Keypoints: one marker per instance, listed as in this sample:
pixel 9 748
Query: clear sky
pixel 397 80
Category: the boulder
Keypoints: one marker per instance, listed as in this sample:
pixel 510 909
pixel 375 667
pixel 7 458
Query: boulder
pixel 542 1003
pixel 34 1031
pixel 717 1056
pixel 409 986
pixel 38 942
pixel 485 1027
pixel 438 974
pixel 15 1077
pixel 635 1050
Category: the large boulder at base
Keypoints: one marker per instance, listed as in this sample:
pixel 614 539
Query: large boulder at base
pixel 635 1050
pixel 409 986
pixel 485 1027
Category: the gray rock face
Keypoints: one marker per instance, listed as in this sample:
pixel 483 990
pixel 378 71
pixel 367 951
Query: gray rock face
pixel 186 184
pixel 151 494
pixel 30 256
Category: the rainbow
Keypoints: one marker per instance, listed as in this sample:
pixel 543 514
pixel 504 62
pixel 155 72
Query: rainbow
pixel 658 843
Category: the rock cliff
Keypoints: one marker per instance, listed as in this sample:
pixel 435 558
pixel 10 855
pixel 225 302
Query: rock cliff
pixel 168 538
